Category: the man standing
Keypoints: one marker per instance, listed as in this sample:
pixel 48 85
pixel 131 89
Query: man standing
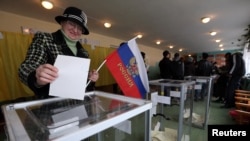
pixel 236 73
pixel 165 66
pixel 221 83
pixel 204 68
pixel 178 67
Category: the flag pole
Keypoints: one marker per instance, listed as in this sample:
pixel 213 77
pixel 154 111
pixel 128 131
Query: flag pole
pixel 97 70
pixel 136 37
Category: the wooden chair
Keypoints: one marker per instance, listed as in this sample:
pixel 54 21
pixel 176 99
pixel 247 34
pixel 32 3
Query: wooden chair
pixel 242 104
pixel 242 91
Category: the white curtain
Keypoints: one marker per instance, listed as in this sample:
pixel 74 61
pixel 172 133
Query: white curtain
pixel 246 57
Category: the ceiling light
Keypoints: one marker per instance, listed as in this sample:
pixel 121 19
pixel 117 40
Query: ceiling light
pixel 171 46
pixel 222 49
pixel 139 36
pixel 217 41
pixel 205 19
pixel 221 45
pixel 180 50
pixel 107 25
pixel 158 42
pixel 47 4
pixel 213 33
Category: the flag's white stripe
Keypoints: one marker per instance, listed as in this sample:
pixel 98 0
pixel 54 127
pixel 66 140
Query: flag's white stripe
pixel 141 65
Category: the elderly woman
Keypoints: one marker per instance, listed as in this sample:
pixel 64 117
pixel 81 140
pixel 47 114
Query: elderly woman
pixel 37 70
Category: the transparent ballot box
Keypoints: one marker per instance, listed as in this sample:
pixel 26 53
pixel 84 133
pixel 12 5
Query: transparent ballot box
pixel 175 105
pixel 100 116
pixel 202 97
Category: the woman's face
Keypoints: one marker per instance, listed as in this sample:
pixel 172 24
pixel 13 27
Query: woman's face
pixel 72 30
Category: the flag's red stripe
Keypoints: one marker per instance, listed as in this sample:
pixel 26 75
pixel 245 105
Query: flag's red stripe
pixel 119 72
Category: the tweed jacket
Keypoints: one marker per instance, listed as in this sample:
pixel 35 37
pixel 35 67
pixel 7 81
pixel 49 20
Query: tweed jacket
pixel 44 49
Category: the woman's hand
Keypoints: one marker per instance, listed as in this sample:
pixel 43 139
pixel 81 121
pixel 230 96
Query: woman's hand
pixel 93 75
pixel 45 74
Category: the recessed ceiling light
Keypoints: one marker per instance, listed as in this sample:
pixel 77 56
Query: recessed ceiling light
pixel 139 36
pixel 205 19
pixel 180 50
pixel 222 49
pixel 221 45
pixel 158 42
pixel 107 25
pixel 47 4
pixel 171 46
pixel 213 33
pixel 217 41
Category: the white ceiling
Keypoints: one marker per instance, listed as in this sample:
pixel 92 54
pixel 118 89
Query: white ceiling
pixel 174 22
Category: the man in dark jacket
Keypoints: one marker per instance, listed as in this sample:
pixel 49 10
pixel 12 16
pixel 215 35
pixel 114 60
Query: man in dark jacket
pixel 165 66
pixel 204 68
pixel 189 66
pixel 178 67
pixel 236 73
pixel 221 84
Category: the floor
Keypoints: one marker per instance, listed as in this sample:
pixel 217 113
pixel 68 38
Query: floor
pixel 216 116
pixel 197 132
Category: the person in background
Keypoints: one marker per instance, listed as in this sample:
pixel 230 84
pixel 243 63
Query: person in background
pixel 204 68
pixel 189 66
pixel 165 66
pixel 221 83
pixel 215 70
pixel 143 54
pixel 178 67
pixel 235 75
pixel 37 70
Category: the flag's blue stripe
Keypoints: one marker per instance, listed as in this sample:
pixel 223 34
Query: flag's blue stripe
pixel 126 54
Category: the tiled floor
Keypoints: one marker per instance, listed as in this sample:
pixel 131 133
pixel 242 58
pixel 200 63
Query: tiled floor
pixel 216 116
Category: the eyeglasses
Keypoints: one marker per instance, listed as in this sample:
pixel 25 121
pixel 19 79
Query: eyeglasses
pixel 74 25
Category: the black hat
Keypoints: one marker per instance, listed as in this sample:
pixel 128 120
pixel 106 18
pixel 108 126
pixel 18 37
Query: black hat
pixel 75 15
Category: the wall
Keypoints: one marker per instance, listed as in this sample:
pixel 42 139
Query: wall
pixel 13 23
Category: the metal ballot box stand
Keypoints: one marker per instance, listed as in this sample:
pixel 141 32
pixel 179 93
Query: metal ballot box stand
pixel 179 89
pixel 100 116
pixel 204 87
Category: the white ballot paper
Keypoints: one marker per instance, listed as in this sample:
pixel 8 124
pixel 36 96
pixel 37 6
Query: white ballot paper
pixel 72 77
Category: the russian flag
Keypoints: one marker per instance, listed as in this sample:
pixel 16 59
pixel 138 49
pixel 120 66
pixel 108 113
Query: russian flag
pixel 127 67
